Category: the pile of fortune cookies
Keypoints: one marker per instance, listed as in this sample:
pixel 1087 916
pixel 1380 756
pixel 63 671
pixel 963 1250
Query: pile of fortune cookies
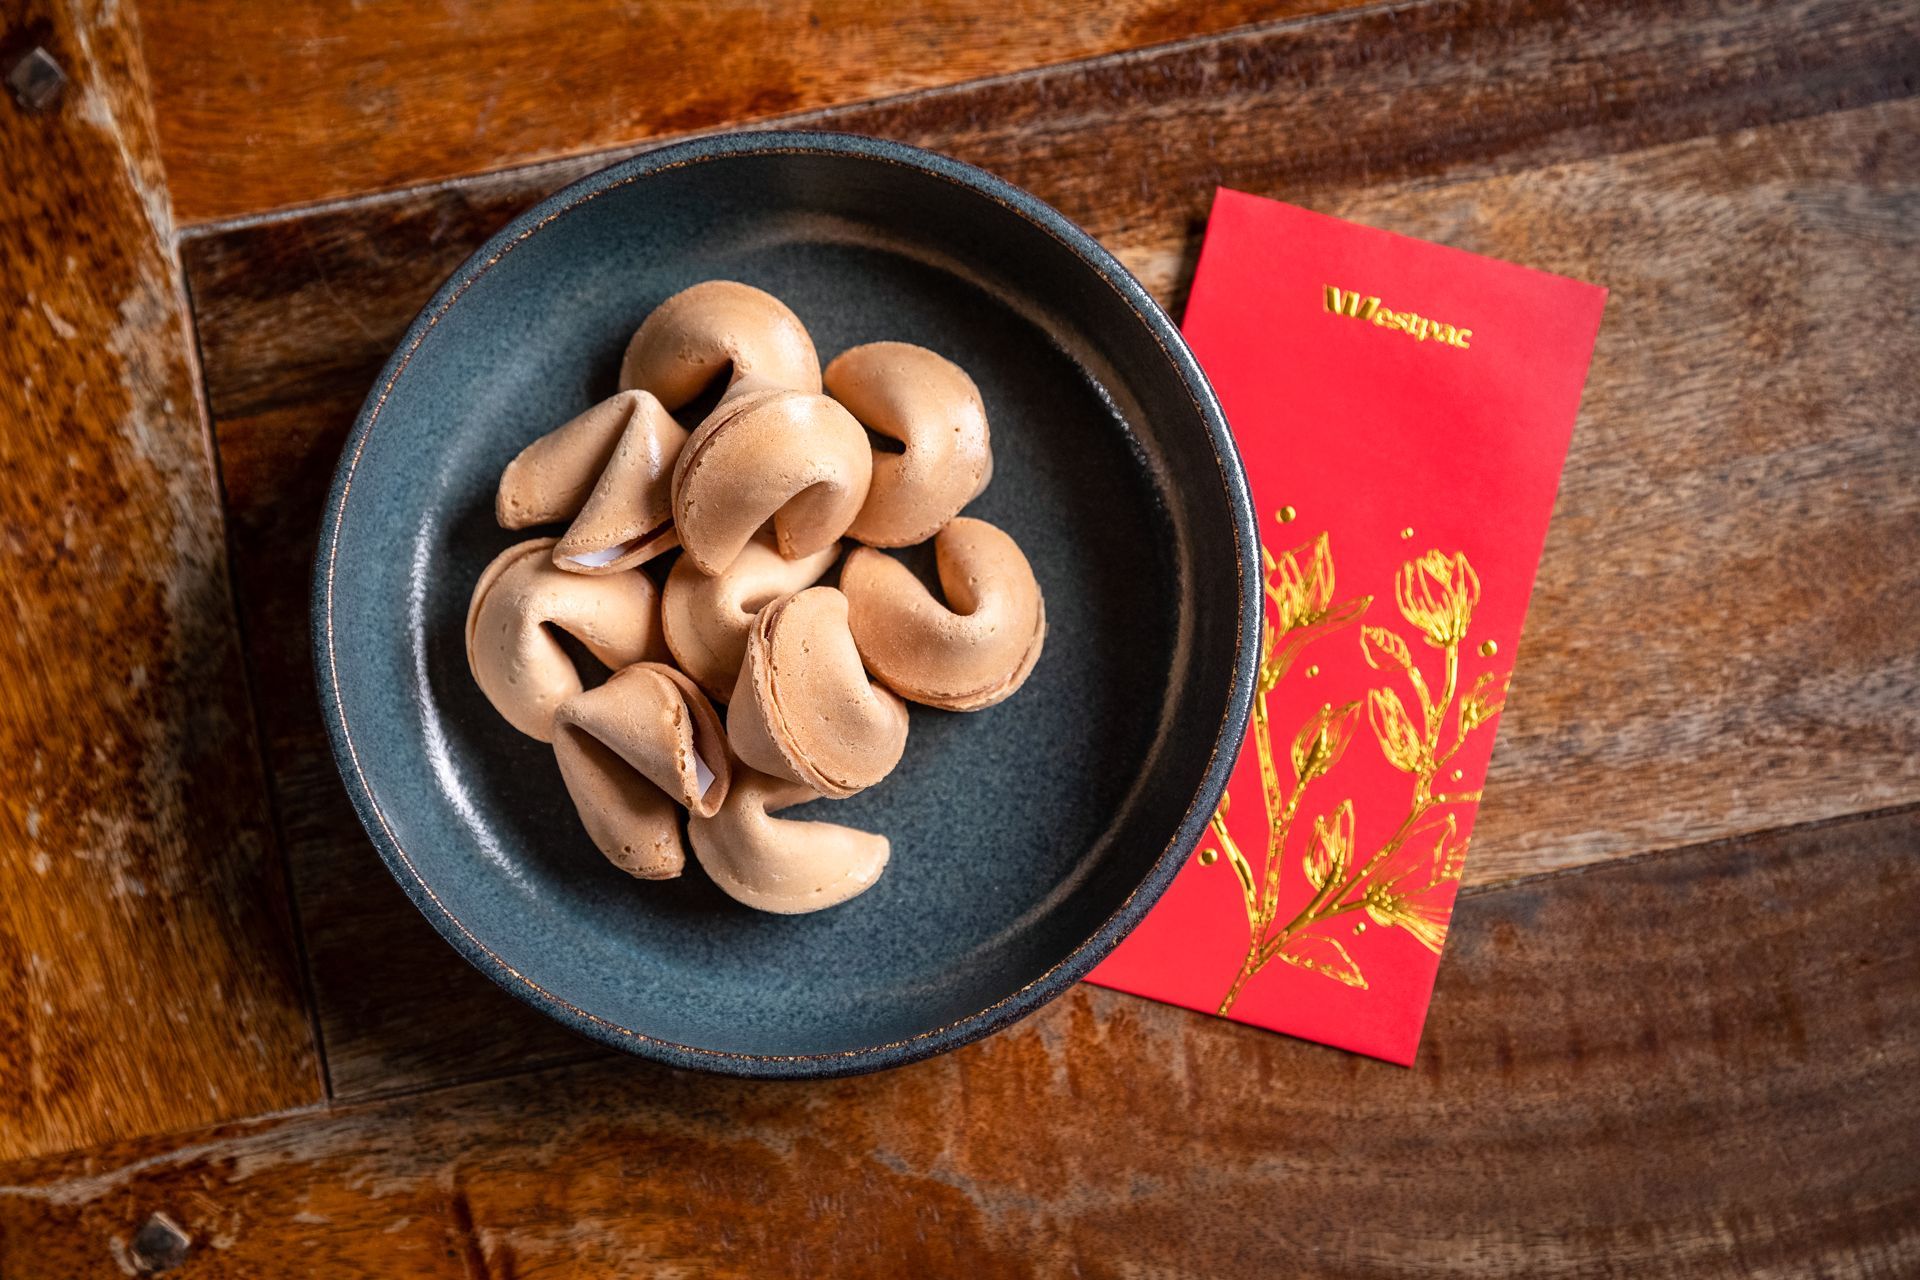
pixel 740 688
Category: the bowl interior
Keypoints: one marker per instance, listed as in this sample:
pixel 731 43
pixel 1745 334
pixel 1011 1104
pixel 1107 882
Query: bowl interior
pixel 1018 831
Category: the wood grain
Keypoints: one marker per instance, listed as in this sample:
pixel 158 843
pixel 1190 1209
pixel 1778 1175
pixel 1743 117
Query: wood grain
pixel 398 1006
pixel 1721 641
pixel 150 973
pixel 264 106
pixel 1704 1063
pixel 1132 148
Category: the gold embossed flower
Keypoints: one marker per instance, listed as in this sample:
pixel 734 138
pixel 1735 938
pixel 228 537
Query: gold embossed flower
pixel 1300 584
pixel 1426 921
pixel 1437 594
pixel 1317 747
pixel 1400 741
pixel 1330 851
pixel 1483 702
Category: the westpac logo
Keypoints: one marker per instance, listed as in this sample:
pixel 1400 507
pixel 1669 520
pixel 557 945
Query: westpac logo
pixel 1352 304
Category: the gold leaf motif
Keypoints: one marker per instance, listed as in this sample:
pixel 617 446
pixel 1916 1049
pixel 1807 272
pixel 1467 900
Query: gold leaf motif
pixel 1424 921
pixel 1325 956
pixel 1484 701
pixel 1300 584
pixel 1346 611
pixel 1330 849
pixel 1437 594
pixel 1270 669
pixel 1320 586
pixel 1378 643
pixel 1400 741
pixel 1398 884
pixel 1446 861
pixel 1286 586
pixel 1322 740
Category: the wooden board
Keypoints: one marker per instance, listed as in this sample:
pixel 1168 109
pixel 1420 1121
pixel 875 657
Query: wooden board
pixel 399 1007
pixel 150 979
pixel 1131 148
pixel 1703 1063
pixel 264 106
pixel 1720 639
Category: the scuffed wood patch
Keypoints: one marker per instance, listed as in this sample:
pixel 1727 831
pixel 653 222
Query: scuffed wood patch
pixel 1705 1063
pixel 262 106
pixel 150 972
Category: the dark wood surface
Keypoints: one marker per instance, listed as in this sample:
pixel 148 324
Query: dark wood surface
pixel 1715 1090
pixel 1722 638
pixel 1673 1032
pixel 267 105
pixel 148 977
pixel 1132 147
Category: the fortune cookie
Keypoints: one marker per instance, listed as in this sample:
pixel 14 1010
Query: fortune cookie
pixel 706 619
pixel 720 326
pixel 519 663
pixel 777 864
pixel 633 753
pixel 803 709
pixel 930 406
pixel 610 471
pixel 799 460
pixel 967 654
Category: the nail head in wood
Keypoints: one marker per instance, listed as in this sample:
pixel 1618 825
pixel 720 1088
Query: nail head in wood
pixel 160 1245
pixel 36 80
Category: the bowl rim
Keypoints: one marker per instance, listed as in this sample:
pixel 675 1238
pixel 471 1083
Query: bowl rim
pixel 1227 740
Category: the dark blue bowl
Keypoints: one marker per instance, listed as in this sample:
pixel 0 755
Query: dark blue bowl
pixel 1027 839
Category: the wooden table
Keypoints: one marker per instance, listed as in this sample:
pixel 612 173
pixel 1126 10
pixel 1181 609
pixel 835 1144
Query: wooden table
pixel 1677 1031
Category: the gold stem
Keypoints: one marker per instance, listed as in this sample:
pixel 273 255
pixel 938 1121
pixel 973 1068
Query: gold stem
pixel 1437 712
pixel 1280 814
pixel 1269 796
pixel 1419 683
pixel 1279 819
pixel 1248 968
pixel 1330 900
pixel 1280 810
pixel 1423 801
pixel 1417 811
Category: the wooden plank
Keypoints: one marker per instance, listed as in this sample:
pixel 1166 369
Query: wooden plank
pixel 1133 147
pixel 398 1006
pixel 265 106
pixel 1703 1063
pixel 1725 634
pixel 1659 648
pixel 150 972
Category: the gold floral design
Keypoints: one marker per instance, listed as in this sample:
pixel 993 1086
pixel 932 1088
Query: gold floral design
pixel 1396 885
pixel 1437 593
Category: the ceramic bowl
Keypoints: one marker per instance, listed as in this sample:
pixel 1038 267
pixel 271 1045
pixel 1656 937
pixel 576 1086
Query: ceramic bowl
pixel 1028 838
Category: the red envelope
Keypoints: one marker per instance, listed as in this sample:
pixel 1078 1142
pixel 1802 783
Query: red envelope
pixel 1404 411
